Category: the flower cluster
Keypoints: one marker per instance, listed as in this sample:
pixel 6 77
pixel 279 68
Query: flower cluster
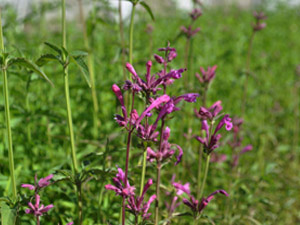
pixel 119 185
pixel 36 209
pixel 210 140
pixel 206 76
pixel 259 25
pixel 43 182
pixel 195 205
pixel 189 31
pixel 166 150
pixel 137 206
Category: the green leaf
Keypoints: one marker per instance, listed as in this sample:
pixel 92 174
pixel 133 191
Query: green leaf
pixel 44 59
pixel 54 47
pixel 29 65
pixel 148 9
pixel 83 68
pixel 78 53
pixel 8 215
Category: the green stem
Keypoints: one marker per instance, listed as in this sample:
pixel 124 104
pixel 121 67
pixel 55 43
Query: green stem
pixel 79 193
pixel 7 117
pixel 131 33
pixel 205 176
pixel 143 177
pixel 90 59
pixel 70 122
pixel 67 94
pixel 143 171
pixel 122 40
pixel 186 61
pixel 200 155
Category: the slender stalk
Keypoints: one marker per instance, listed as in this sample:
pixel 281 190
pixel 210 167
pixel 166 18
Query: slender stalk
pixel 143 171
pixel 200 155
pixel 157 193
pixel 143 177
pixel 127 158
pixel 244 100
pixel 205 176
pixel 122 39
pixel 7 117
pixel 131 33
pixel 79 191
pixel 67 94
pixel 91 68
pixel 38 220
pixel 158 176
pixel 186 60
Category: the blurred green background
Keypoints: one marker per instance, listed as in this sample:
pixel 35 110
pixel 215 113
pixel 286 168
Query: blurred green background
pixel 266 190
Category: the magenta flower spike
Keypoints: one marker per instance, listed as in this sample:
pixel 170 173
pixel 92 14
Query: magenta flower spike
pixel 166 150
pixel 189 32
pixel 259 25
pixel 196 13
pixel 196 206
pixel 36 209
pixel 137 206
pixel 119 185
pixel 208 75
pixel 154 104
pixel 211 112
pixel 43 182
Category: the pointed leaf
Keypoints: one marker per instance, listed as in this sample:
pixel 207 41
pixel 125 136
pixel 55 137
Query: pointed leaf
pixel 29 65
pixel 8 215
pixel 54 47
pixel 148 9
pixel 78 53
pixel 83 68
pixel 44 59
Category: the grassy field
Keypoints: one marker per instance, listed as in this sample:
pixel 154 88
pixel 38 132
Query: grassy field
pixel 263 188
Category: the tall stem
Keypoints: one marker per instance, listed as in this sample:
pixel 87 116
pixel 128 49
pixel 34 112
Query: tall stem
pixel 67 94
pixel 158 175
pixel 37 220
pixel 186 60
pixel 131 33
pixel 7 117
pixel 122 39
pixel 244 100
pixel 205 176
pixel 127 158
pixel 90 59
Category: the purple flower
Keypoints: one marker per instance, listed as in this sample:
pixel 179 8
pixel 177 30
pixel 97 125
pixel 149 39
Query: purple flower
pixel 43 182
pixel 119 185
pixel 154 104
pixel 166 150
pixel 211 112
pixel 206 76
pixel 189 32
pixel 195 14
pixel 259 25
pixel 122 121
pixel 182 188
pixel 196 206
pixel 137 206
pixel 36 209
pixel 210 141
